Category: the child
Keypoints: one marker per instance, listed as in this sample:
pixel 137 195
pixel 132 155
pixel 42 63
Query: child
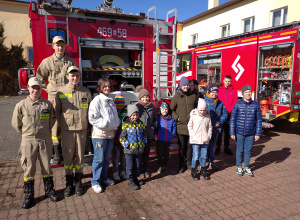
pixel 218 115
pixel 133 138
pixel 149 118
pixel 117 150
pixel 245 128
pixel 200 130
pixel 166 130
pixel 33 118
pixel 71 106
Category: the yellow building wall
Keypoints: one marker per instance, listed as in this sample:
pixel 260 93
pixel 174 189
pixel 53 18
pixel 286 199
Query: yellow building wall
pixel 15 19
pixel 179 36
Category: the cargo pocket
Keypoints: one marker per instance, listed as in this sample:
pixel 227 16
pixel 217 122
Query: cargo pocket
pixel 23 162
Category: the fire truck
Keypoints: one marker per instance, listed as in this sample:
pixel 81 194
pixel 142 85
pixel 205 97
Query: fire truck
pixel 267 60
pixel 130 50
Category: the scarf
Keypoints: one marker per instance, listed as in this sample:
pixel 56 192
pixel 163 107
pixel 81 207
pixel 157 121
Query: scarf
pixel 145 105
pixel 166 117
pixel 215 100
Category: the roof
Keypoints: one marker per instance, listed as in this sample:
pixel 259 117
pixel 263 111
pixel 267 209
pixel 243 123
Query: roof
pixel 212 10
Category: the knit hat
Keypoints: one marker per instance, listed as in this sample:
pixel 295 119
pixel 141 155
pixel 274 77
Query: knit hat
pixel 164 105
pixel 201 104
pixel 132 109
pixel 119 99
pixel 213 87
pixel 142 92
pixel 245 88
pixel 184 81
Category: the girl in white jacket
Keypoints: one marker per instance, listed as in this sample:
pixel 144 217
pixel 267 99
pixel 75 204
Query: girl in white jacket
pixel 200 131
pixel 104 117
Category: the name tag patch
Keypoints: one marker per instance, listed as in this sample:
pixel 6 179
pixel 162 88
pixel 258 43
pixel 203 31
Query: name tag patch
pixel 84 105
pixel 46 116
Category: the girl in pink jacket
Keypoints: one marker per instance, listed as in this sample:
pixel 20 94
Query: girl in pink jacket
pixel 200 131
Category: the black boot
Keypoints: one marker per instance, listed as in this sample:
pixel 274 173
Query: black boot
pixel 29 194
pixel 204 173
pixel 132 185
pixel 78 184
pixel 69 185
pixel 49 189
pixel 218 150
pixel 56 154
pixel 137 182
pixel 195 174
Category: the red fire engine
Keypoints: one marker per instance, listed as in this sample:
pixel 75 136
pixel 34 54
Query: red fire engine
pixel 130 50
pixel 267 60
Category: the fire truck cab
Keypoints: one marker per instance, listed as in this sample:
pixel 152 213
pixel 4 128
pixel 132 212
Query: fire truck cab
pixel 267 60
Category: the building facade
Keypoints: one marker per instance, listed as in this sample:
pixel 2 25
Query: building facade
pixel 15 18
pixel 236 17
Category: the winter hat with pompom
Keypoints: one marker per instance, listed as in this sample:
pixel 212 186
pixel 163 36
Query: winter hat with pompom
pixel 142 92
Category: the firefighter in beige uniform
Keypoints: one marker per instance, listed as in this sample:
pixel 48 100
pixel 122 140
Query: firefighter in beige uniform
pixel 71 106
pixel 34 117
pixel 55 69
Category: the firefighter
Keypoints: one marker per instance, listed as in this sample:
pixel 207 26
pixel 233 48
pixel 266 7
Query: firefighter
pixel 33 118
pixel 71 106
pixel 55 69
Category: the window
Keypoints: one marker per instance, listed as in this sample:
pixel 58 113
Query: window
pixel 55 32
pixel 225 30
pixel 194 39
pixel 29 54
pixel 183 62
pixel 248 25
pixel 279 17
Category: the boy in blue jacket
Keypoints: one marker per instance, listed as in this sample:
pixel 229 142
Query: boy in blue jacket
pixel 165 132
pixel 218 115
pixel 245 128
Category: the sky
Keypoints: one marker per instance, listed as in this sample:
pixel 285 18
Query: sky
pixel 185 8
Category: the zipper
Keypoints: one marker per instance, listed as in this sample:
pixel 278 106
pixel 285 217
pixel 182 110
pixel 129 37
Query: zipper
pixel 226 97
pixel 166 130
pixel 246 117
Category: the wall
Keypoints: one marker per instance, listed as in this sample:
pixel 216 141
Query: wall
pixel 208 27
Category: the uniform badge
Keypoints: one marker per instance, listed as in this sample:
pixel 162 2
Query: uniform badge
pixel 45 111
pixel 84 99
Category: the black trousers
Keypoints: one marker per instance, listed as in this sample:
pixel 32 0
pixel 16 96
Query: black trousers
pixel 162 149
pixel 225 130
pixel 145 157
pixel 117 154
pixel 185 150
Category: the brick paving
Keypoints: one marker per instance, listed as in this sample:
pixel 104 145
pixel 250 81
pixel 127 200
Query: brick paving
pixel 274 192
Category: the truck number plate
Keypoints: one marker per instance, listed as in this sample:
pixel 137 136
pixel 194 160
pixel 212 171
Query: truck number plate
pixel 110 32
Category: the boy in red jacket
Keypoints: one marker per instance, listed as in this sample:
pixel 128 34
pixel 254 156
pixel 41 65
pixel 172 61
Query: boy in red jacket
pixel 228 95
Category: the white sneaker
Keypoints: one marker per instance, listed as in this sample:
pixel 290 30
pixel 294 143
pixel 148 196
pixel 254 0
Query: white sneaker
pixel 109 182
pixel 239 171
pixel 97 188
pixel 248 172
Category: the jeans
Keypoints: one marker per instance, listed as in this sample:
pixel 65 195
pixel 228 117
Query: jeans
pixel 132 165
pixel 212 145
pixel 243 144
pixel 102 151
pixel 199 153
pixel 117 152
pixel 162 149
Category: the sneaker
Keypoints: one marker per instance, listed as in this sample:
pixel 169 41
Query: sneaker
pixel 124 175
pixel 147 174
pixel 109 182
pixel 227 151
pixel 142 175
pixel 116 177
pixel 217 151
pixel 239 171
pixel 160 170
pixel 248 172
pixel 97 188
pixel 214 166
